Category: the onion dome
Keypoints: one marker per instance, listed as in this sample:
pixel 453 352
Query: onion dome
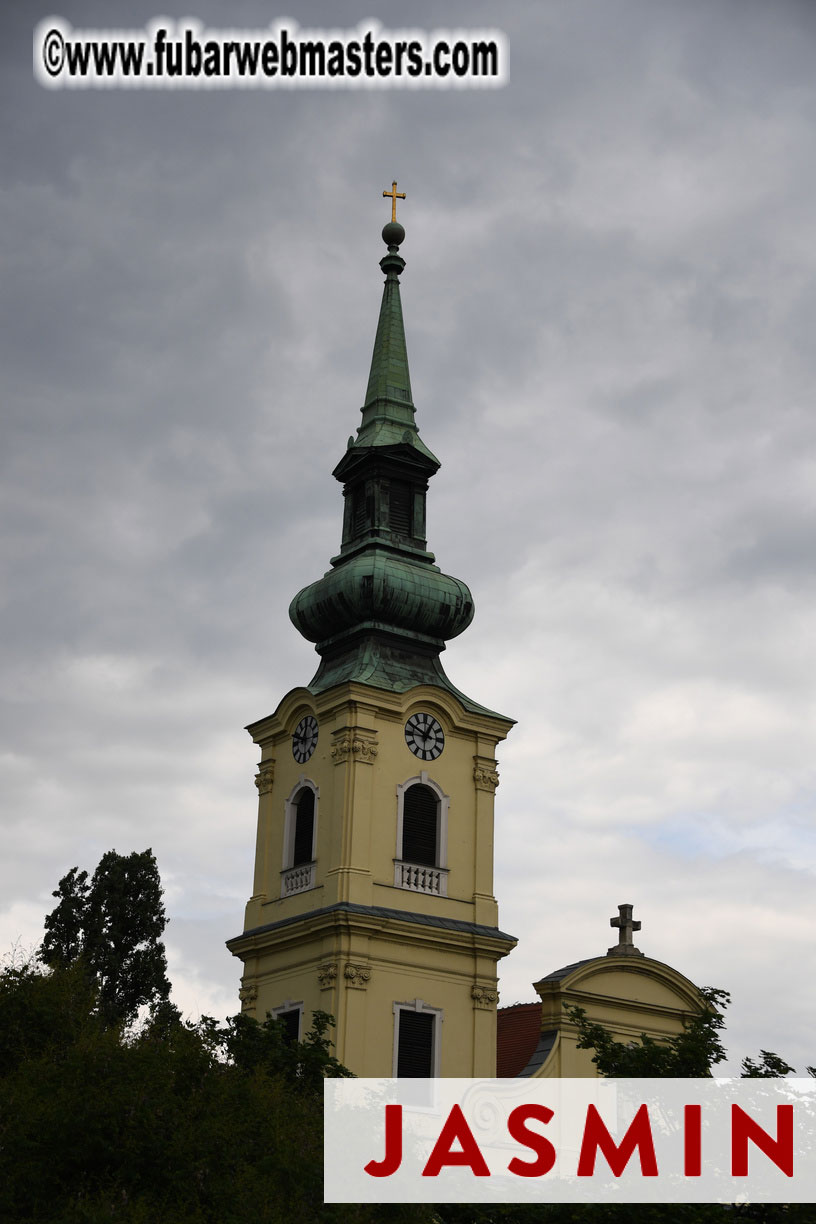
pixel 383 612
pixel 377 590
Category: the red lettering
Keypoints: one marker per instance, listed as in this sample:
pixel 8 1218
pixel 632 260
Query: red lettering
pixel 692 1147
pixel 597 1137
pixel 545 1152
pixel 392 1159
pixel 456 1130
pixel 779 1150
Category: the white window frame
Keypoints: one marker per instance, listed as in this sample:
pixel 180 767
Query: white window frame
pixel 419 1005
pixel 290 1006
pixel 442 815
pixel 297 879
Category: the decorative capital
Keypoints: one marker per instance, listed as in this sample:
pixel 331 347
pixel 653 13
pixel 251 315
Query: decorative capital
pixel 485 774
pixel 357 976
pixel 249 996
pixel 484 996
pixel 356 743
pixel 265 777
pixel 327 975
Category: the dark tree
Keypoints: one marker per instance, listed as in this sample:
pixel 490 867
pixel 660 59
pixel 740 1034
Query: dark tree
pixel 173 1123
pixel 770 1066
pixel 113 926
pixel 689 1055
pixel 65 926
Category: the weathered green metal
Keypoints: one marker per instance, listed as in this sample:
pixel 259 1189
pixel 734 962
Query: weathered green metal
pixel 383 612
pixel 388 410
pixel 378 589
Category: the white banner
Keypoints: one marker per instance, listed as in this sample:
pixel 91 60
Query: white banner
pixel 570 1141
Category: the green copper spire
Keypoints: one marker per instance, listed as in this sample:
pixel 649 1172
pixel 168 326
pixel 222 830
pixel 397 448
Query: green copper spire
pixel 389 378
pixel 383 612
pixel 388 411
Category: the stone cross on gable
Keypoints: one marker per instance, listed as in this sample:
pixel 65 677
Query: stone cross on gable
pixel 626 924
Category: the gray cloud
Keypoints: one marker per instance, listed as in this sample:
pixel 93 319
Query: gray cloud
pixel 609 303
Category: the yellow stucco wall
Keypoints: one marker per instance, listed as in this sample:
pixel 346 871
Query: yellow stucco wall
pixel 357 963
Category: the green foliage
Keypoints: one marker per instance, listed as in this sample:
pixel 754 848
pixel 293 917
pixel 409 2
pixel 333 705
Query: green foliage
pixel 175 1123
pixel 65 926
pixel 770 1066
pixel 589 1213
pixel 113 926
pixel 301 1064
pixel 103 1120
pixel 625 1213
pixel 42 1016
pixel 689 1055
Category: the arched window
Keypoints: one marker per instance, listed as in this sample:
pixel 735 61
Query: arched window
pixel 422 836
pixel 420 826
pixel 300 838
pixel 304 827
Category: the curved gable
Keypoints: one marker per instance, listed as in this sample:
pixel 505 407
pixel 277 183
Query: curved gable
pixel 628 995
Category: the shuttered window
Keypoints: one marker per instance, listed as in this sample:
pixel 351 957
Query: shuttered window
pixel 400 507
pixel 291 1024
pixel 420 821
pixel 304 828
pixel 362 510
pixel 415 1044
pixel 358 511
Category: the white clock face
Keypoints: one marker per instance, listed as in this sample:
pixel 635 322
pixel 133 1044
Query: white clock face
pixel 304 740
pixel 424 736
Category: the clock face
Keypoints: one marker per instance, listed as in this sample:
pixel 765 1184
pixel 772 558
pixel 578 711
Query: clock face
pixel 424 736
pixel 304 740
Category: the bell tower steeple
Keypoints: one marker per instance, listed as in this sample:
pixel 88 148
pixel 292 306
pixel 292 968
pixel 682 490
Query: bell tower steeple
pixel 384 611
pixel 373 896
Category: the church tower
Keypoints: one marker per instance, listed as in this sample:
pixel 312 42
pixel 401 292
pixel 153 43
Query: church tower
pixel 373 894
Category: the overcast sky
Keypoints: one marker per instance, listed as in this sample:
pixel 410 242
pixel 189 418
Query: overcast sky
pixel 610 307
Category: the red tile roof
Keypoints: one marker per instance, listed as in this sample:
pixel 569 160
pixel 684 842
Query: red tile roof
pixel 517 1033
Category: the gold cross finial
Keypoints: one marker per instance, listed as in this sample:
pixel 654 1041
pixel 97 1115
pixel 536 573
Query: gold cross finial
pixel 394 196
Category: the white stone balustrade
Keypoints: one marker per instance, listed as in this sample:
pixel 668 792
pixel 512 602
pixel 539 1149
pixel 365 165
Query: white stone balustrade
pixel 418 878
pixel 297 879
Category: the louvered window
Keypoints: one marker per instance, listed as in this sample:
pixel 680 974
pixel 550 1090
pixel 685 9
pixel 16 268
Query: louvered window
pixel 304 828
pixel 420 822
pixel 291 1024
pixel 400 507
pixel 415 1038
pixel 362 508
